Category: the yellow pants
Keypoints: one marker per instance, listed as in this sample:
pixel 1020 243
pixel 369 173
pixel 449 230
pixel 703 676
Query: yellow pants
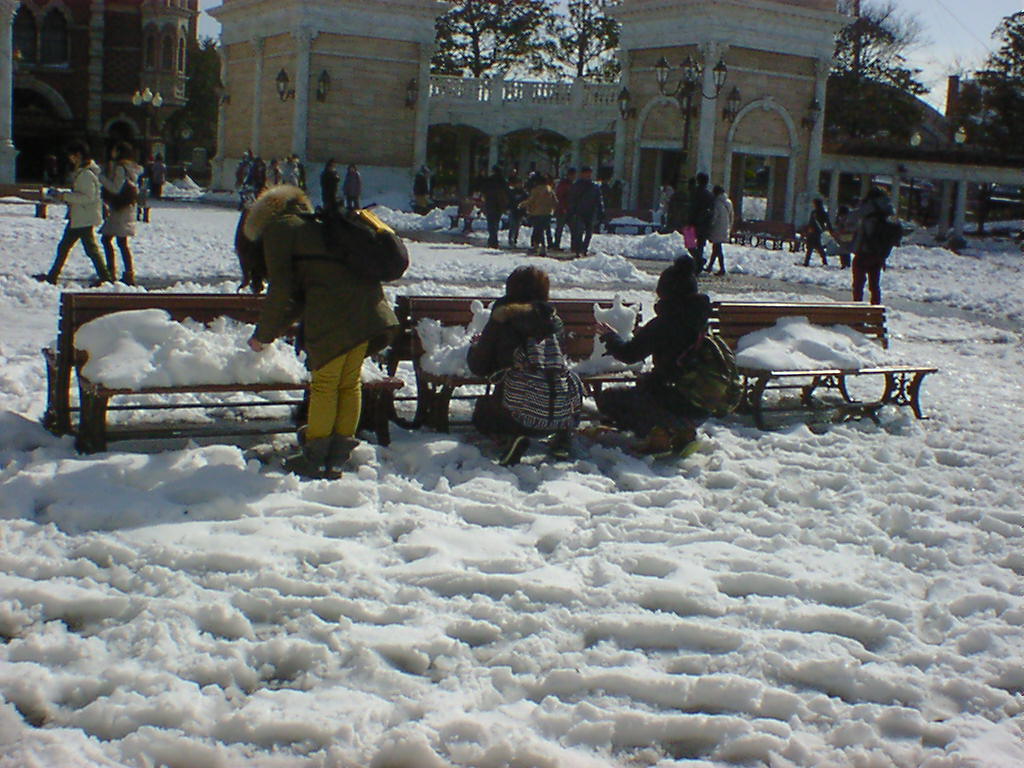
pixel 336 396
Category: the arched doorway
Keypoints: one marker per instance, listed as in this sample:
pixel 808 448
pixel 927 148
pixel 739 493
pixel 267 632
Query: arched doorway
pixel 760 162
pixel 39 130
pixel 659 158
pixel 457 156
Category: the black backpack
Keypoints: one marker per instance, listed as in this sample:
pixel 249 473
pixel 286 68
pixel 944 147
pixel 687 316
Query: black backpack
pixel 366 245
pixel 887 235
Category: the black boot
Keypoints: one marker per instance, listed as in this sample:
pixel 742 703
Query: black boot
pixel 312 460
pixel 341 450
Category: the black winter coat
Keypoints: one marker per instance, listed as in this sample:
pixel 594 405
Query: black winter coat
pixel 702 206
pixel 508 329
pixel 674 330
pixel 586 200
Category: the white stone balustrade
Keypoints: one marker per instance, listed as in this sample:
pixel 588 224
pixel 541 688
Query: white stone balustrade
pixel 496 106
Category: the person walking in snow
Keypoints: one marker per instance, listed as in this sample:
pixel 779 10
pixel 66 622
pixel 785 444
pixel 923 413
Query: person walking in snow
pixel 538 207
pixel 656 409
pixel 495 192
pixel 869 253
pixel 562 192
pixel 344 318
pixel 586 210
pixel 157 175
pixel 721 228
pixel 702 210
pixel 121 186
pixel 85 213
pixel 817 225
pixel 352 187
pixel 329 181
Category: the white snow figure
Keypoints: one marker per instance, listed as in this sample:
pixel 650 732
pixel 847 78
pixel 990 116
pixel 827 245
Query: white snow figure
pixel 445 346
pixel 623 320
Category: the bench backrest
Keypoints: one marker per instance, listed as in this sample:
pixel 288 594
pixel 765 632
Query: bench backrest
pixel 734 319
pixel 24 191
pixel 577 315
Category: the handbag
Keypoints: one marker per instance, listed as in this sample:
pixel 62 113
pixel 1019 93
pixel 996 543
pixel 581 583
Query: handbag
pixel 690 236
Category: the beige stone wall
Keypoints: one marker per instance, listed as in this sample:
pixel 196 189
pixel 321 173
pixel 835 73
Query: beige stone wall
pixel 241 63
pixel 364 119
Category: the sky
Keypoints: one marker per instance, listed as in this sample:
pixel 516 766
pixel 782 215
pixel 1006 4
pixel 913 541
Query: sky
pixel 956 36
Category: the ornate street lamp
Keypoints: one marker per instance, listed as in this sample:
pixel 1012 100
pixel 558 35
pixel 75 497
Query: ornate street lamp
pixel 732 105
pixel 412 92
pixel 149 102
pixel 323 85
pixel 689 85
pixel 813 113
pixel 624 108
pixel 283 91
pixel 961 135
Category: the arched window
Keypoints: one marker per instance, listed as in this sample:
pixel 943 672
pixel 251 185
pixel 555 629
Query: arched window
pixel 150 52
pixel 181 55
pixel 25 34
pixel 54 39
pixel 167 54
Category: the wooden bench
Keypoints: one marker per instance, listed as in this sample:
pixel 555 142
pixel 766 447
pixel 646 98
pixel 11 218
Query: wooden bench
pixel 434 392
pixel 27 194
pixel 92 432
pixel 774 235
pixel 901 384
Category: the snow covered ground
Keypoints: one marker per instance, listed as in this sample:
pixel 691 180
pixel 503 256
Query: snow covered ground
pixel 816 595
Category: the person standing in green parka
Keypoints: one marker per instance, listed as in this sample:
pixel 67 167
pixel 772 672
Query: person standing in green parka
pixel 345 318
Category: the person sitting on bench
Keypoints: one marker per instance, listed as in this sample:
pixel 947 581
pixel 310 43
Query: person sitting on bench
pixel 654 409
pixel 537 394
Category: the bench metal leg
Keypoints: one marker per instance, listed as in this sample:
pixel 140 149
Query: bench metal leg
pixel 903 388
pixel 92 424
pixel 40 210
pixel 378 405
pixel 753 396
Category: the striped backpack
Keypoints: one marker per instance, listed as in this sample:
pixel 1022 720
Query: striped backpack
pixel 539 391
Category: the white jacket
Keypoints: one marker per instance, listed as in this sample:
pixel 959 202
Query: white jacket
pixel 84 202
pixel 722 220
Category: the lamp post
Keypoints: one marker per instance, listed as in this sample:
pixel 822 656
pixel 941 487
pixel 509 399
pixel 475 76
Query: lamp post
pixel 150 102
pixel 688 86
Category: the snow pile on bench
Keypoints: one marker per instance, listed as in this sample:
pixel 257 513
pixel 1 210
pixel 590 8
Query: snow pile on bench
pixel 146 348
pixel 656 247
pixel 445 347
pixel 794 344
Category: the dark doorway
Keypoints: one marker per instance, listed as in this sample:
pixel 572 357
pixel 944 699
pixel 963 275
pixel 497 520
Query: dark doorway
pixel 38 132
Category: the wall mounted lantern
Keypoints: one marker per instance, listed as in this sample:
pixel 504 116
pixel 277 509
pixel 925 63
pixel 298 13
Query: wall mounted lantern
pixel 323 86
pixel 624 108
pixel 813 113
pixel 732 105
pixel 961 135
pixel 412 92
pixel 283 91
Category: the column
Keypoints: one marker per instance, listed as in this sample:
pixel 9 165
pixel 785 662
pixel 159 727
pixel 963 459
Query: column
pixel 422 130
pixel 622 126
pixel 833 192
pixel 710 53
pixel 865 184
pixel 97 15
pixel 960 209
pixel 219 180
pixel 8 154
pixel 821 70
pixel 945 208
pixel 465 160
pixel 493 145
pixel 575 153
pixel 896 190
pixel 300 116
pixel 257 94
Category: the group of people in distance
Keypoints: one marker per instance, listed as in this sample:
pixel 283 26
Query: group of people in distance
pixel 576 201
pixel 108 198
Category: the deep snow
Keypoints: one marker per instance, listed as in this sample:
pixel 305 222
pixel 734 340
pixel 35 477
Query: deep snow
pixel 815 595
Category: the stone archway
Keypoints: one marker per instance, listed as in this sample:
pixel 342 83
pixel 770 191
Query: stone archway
pixel 41 126
pixel 658 153
pixel 763 130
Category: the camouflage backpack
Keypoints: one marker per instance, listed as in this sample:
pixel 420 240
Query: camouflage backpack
pixel 708 378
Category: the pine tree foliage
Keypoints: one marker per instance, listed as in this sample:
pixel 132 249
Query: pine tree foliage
pixel 1000 121
pixel 582 42
pixel 871 89
pixel 201 109
pixel 478 37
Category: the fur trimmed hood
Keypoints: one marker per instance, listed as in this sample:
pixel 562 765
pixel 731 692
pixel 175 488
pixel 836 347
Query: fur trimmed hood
pixel 274 202
pixel 536 319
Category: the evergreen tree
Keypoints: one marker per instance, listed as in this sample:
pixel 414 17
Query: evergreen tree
pixel 871 90
pixel 200 110
pixel 582 43
pixel 1000 121
pixel 478 37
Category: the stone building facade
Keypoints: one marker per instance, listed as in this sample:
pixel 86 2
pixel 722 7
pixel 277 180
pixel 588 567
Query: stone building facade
pixel 74 65
pixel 380 104
pixel 326 78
